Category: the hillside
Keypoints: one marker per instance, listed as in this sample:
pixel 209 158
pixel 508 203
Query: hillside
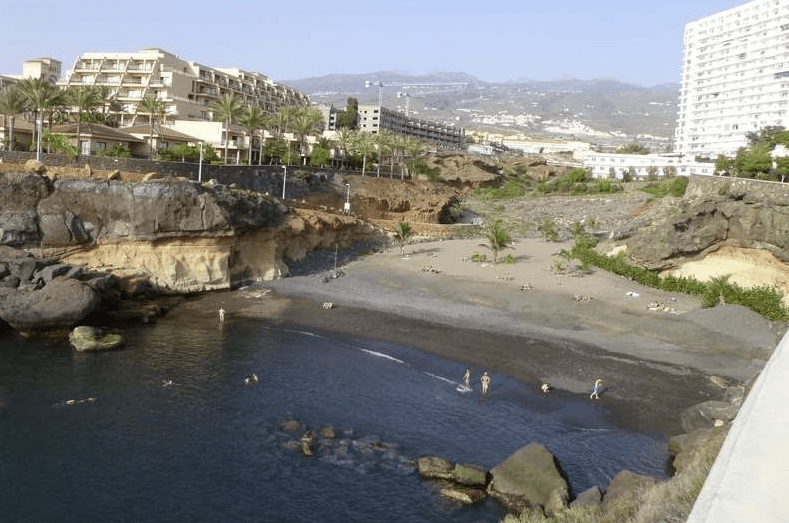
pixel 600 111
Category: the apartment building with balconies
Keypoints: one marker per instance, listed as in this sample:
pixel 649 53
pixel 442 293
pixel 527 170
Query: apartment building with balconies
pixel 735 78
pixel 375 118
pixel 185 88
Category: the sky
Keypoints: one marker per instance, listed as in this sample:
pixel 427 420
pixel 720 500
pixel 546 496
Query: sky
pixel 493 40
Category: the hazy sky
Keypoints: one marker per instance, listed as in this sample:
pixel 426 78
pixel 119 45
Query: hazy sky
pixel 494 40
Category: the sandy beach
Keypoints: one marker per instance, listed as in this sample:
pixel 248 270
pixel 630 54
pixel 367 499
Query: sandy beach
pixel 527 321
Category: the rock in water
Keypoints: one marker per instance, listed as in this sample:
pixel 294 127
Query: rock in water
pixel 530 477
pixel 61 304
pixel 84 338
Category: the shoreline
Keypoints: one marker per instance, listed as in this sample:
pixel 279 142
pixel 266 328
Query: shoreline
pixel 524 321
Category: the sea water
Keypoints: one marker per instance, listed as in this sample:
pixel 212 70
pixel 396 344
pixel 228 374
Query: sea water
pixel 107 437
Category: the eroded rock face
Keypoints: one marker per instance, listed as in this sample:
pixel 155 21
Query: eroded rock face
pixel 695 226
pixel 530 477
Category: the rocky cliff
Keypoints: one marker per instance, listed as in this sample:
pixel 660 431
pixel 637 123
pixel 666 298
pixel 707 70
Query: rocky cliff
pixel 168 236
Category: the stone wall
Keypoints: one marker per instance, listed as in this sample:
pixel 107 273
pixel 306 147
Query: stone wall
pixel 747 189
pixel 301 180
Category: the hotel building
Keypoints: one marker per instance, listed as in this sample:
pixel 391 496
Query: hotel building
pixel 375 118
pixel 186 90
pixel 735 78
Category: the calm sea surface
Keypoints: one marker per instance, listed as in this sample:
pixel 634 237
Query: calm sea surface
pixel 99 437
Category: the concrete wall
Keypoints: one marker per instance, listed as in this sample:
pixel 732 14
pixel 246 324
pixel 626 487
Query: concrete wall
pixel 301 180
pixel 752 190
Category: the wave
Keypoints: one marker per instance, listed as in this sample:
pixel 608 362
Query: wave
pixel 382 355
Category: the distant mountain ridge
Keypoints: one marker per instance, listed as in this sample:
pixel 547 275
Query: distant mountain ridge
pixel 603 110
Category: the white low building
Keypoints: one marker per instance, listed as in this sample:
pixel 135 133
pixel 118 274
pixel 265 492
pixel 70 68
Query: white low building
pixel 613 165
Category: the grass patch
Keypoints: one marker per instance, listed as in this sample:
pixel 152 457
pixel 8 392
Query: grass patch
pixel 667 186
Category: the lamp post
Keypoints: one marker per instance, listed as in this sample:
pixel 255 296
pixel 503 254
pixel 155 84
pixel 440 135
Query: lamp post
pixel 347 208
pixel 380 85
pixel 200 165
pixel 38 139
pixel 284 179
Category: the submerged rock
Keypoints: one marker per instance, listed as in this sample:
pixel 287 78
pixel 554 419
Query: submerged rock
pixel 84 339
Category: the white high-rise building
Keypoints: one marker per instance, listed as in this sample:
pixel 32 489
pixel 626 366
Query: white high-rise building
pixel 735 78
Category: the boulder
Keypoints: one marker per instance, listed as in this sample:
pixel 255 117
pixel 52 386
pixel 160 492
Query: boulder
pixel 704 414
pixel 470 475
pixel 530 477
pixel 467 495
pixel 114 175
pixel 85 339
pixel 35 166
pixel 50 272
pixel 432 467
pixel 591 497
pixel 624 485
pixel 61 304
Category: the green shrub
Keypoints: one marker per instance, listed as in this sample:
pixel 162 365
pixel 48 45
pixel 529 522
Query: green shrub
pixel 478 256
pixel 508 259
pixel 549 230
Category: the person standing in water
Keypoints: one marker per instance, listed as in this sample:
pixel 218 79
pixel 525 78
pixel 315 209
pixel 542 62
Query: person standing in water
pixel 222 313
pixel 485 379
pixel 467 379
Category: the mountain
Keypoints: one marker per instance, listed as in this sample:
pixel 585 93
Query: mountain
pixel 601 111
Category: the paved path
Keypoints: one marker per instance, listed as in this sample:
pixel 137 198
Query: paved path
pixel 749 480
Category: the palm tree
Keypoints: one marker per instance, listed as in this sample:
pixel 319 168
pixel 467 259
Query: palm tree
pixel 364 145
pixel 384 140
pixel 227 108
pixel 498 238
pixel 280 122
pixel 155 108
pixel 253 119
pixel 12 103
pixel 345 141
pixel 403 233
pixel 719 285
pixel 84 98
pixel 413 148
pixel 306 120
pixel 41 96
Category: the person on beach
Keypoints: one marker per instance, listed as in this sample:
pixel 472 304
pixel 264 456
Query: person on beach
pixel 467 379
pixel 595 395
pixel 485 379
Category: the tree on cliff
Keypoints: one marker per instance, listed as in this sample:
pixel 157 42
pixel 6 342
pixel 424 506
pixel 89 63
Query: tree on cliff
pixel 226 109
pixel 253 119
pixel 155 108
pixel 384 141
pixel 83 98
pixel 12 103
pixel 344 141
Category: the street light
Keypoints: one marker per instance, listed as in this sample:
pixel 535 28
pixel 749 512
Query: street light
pixel 380 85
pixel 38 138
pixel 284 179
pixel 347 208
pixel 200 165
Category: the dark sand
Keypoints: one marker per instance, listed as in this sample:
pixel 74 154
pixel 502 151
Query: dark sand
pixel 523 320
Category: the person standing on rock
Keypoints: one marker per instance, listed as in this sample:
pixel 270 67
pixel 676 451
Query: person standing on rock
pixel 485 379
